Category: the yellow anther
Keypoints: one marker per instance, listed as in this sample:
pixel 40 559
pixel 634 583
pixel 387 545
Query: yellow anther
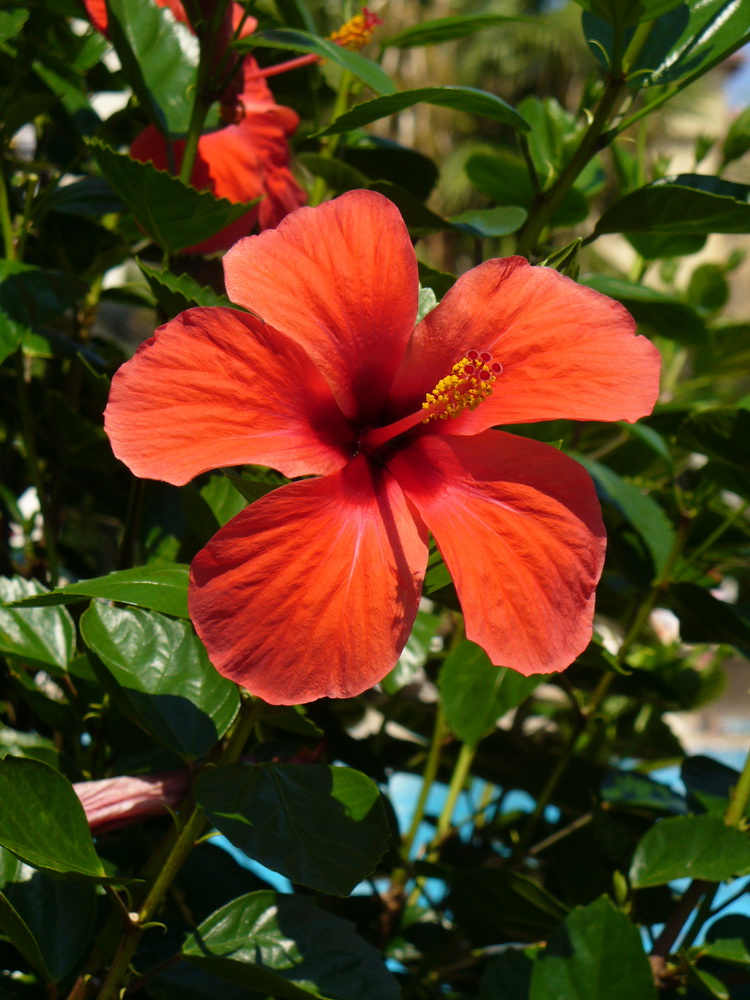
pixel 357 32
pixel 469 383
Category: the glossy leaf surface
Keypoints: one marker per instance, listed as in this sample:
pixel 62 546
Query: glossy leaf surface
pixel 163 676
pixel 288 947
pixel 43 823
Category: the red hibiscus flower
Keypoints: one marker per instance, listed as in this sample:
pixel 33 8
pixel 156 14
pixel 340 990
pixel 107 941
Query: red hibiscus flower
pixel 313 589
pixel 241 162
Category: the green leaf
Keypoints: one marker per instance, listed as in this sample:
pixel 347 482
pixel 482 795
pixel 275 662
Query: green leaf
pixel 683 204
pixel 631 790
pixel 288 947
pixel 474 693
pixel 507 977
pixel 88 196
pixel 39 636
pixel 59 915
pixel 302 41
pixel 15 928
pixel 419 219
pixel 12 335
pixel 446 29
pixel 174 215
pixel 486 222
pixel 504 177
pixel 697 847
pixel 704 618
pixel 11 22
pixel 177 292
pixel 43 823
pixel 658 246
pixel 728 939
pixel 722 434
pixel 467 99
pixel 159 587
pixel 737 141
pixel 163 674
pixel 494 905
pixel 652 309
pixel 682 45
pixel 160 59
pixel 33 295
pixel 624 12
pixel 641 510
pixel 324 827
pixel 596 954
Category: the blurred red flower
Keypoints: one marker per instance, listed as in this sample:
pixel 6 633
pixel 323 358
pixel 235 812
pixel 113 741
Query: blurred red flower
pixel 248 158
pixel 313 589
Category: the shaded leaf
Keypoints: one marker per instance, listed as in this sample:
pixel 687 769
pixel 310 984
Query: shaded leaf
pixel 596 954
pixel 683 204
pixel 631 790
pixel 504 177
pixel 288 947
pixel 474 693
pixel 628 11
pixel 697 847
pixel 728 939
pixel 33 295
pixel 467 99
pixel 321 826
pixel 177 292
pixel 60 915
pixel 15 928
pixel 11 22
pixel 704 618
pixel 163 674
pixel 494 905
pixel 641 510
pixel 174 215
pixel 650 308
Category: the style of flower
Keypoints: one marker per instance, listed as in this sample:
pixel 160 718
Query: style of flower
pixel 313 589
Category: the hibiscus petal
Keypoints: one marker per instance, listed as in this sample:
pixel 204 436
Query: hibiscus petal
pixel 520 529
pixel 216 387
pixel 313 590
pixel 566 350
pixel 341 279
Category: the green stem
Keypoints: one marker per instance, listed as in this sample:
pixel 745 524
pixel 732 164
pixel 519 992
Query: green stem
pixel 547 203
pixel 458 781
pixel 432 765
pixel 34 468
pixel 320 186
pixel 6 223
pixel 739 797
pixel 204 93
pixel 183 844
pixel 706 544
pixel 600 691
pixel 201 107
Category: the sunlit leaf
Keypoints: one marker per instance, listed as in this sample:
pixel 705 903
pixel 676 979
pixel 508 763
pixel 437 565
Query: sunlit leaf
pixel 164 677
pixel 697 847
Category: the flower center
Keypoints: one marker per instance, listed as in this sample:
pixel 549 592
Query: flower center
pixel 469 384
pixel 357 32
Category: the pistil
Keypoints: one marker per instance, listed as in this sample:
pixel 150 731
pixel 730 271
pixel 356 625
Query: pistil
pixel 469 383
